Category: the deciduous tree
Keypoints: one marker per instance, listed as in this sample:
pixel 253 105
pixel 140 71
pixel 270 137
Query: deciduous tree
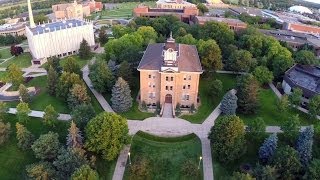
pixel 291 128
pixel 14 75
pixel 47 146
pixel 241 176
pixel 305 57
pixel 268 149
pixel 283 103
pixel 106 134
pixel 314 106
pixel 187 39
pixel 295 97
pixel 24 94
pixel 22 112
pixel 121 96
pixel 41 170
pixel 241 60
pixel 101 77
pixel 78 95
pixel 257 128
pixel 85 172
pixel 66 82
pixel 71 66
pixel 25 138
pixel 210 54
pixel 263 75
pixel 82 114
pixel 313 172
pixel 3 110
pixel 148 34
pixel 215 87
pixel 228 139
pixel 5 130
pixel 50 116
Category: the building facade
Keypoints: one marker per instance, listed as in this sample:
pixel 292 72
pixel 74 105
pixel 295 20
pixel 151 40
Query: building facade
pixel 169 74
pixel 58 38
pixel 302 28
pixel 173 4
pixel 234 24
pixel 13 29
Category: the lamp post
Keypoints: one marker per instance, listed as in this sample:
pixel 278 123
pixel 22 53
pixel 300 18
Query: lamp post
pixel 129 158
pixel 200 158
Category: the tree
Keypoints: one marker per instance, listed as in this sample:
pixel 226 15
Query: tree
pixel 14 75
pixel 314 106
pixel 16 50
pixel 84 50
pixel 101 77
pixel 121 96
pixel 22 112
pixel 190 170
pixel 103 38
pixel 283 103
pixel 306 57
pixel 85 173
pixel 52 81
pixel 313 172
pixel 148 34
pixel 41 170
pixel 241 61
pixel 187 39
pixel 287 163
pixel 50 116
pixel 229 104
pixel 291 128
pixel 119 30
pixel 112 66
pixel 74 138
pixel 241 176
pixel 304 146
pixel 71 66
pixel 281 62
pixel 125 71
pixel 68 161
pixel 140 169
pixel 47 146
pixel 106 134
pixel 215 87
pixel 5 130
pixel 202 8
pixel 40 18
pixel 3 110
pixel 210 54
pixel 66 82
pixel 228 139
pixel 265 172
pixel 257 128
pixel 24 94
pixel 78 95
pixel 25 138
pixel 295 97
pixel 263 75
pixel 54 62
pixel 82 114
pixel 268 149
pixel 247 93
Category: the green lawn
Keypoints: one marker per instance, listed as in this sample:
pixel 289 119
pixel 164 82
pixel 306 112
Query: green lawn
pixel 5 53
pixel 166 156
pixel 3 75
pixel 81 62
pixel 269 112
pixel 208 103
pixel 22 61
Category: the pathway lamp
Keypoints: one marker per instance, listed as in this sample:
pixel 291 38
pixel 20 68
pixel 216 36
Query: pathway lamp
pixel 200 158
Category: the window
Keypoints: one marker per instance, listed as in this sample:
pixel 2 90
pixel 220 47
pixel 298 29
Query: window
pixel 171 88
pixel 188 86
pixel 189 77
pixel 185 97
pixel 167 88
pixel 152 95
pixel 149 75
pixel 153 77
pixel 149 84
pixel 185 77
pixel 184 87
pixel 171 78
pixel 167 78
pixel 153 85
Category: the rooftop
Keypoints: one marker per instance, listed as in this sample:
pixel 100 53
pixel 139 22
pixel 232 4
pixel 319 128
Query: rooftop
pixel 174 2
pixel 219 19
pixel 187 60
pixel 249 10
pixel 58 25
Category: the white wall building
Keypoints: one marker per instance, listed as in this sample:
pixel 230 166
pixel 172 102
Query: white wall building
pixel 60 38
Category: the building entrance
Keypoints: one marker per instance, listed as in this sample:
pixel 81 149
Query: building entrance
pixel 168 98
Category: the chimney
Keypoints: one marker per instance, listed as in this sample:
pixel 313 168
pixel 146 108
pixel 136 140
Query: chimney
pixel 32 25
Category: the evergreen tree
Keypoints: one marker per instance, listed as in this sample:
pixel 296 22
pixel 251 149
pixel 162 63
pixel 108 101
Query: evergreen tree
pixel 50 116
pixel 5 130
pixel 283 103
pixel 41 171
pixel 54 62
pixel 247 93
pixel 229 104
pixel 66 82
pixel 125 71
pixel 82 114
pixel 78 95
pixel 265 172
pixel 304 146
pixel 121 96
pixel 257 128
pixel 215 88
pixel 22 112
pixel 84 50
pixel 241 176
pixel 101 77
pixel 24 94
pixel 313 172
pixel 314 106
pixel 52 81
pixel 103 38
pixel 112 66
pixel 268 149
pixel 74 138
pixel 85 173
pixel 71 66
pixel 46 146
pixel 3 110
pixel 25 138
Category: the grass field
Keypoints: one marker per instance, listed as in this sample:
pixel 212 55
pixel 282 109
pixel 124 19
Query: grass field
pixel 22 61
pixel 166 156
pixel 3 75
pixel 5 53
pixel 208 103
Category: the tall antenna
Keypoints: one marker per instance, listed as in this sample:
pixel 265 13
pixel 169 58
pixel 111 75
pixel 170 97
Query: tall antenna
pixel 31 21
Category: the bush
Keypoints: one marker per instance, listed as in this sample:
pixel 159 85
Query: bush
pixel 47 146
pixel 190 170
pixel 5 130
pixel 140 169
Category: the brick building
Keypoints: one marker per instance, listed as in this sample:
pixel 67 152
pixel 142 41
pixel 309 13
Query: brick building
pixel 169 74
pixel 303 28
pixel 185 14
pixel 173 4
pixel 234 24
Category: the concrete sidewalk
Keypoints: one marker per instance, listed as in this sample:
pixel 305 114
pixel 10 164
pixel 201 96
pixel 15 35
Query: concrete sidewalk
pixel 39 114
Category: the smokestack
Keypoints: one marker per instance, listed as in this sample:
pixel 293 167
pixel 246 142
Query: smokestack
pixel 32 25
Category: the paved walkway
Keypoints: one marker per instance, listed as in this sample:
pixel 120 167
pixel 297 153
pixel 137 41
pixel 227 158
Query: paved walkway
pixel 167 110
pixel 121 163
pixel 39 114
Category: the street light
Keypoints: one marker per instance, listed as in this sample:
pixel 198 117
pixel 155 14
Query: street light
pixel 129 158
pixel 200 158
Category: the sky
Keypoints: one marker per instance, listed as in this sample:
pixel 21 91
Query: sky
pixel 315 1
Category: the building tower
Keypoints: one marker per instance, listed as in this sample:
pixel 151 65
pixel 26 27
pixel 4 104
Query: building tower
pixel 32 24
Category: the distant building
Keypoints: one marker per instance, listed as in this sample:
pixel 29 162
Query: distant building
pixel 234 24
pixel 58 38
pixel 185 14
pixel 294 39
pixel 13 29
pixel 169 74
pixel 300 9
pixel 173 4
pixel 307 78
pixel 303 28
pixel 75 10
pixel 249 10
